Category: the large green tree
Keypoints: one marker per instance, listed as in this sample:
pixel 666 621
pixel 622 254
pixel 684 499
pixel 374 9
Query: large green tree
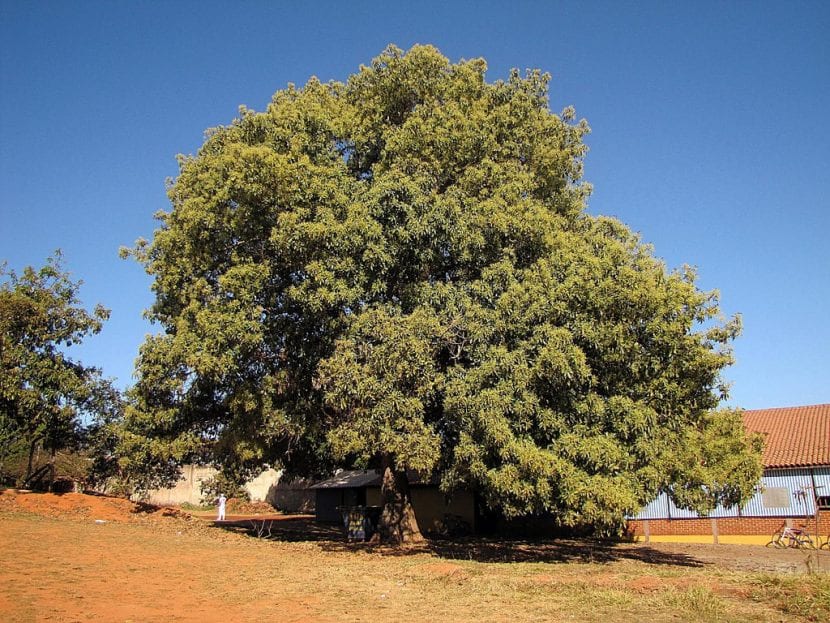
pixel 398 271
pixel 45 395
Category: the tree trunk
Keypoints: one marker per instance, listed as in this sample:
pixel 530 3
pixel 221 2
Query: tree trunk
pixel 397 520
pixel 52 454
pixel 34 477
pixel 30 466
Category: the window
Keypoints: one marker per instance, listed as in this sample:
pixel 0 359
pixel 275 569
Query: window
pixel 776 497
pixel 824 502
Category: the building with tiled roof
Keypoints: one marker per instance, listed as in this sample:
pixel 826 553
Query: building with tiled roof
pixel 793 436
pixel 794 488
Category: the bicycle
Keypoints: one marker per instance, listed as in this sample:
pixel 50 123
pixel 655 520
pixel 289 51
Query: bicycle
pixel 792 537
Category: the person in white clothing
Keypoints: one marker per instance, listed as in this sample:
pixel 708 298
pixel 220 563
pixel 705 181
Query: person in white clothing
pixel 221 515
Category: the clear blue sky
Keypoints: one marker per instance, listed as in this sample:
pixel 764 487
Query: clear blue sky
pixel 711 136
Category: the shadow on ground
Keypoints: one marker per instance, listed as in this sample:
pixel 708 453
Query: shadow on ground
pixel 144 508
pixel 287 528
pixel 330 538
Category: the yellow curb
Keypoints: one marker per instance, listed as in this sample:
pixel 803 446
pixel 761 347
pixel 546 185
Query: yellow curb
pixel 723 539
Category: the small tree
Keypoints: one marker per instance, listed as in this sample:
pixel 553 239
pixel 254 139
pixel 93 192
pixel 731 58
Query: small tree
pixel 43 392
pixel 398 272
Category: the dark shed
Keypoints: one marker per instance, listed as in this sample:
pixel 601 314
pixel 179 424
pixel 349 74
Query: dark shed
pixel 348 488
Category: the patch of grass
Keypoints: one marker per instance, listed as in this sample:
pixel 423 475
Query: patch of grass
pixel 187 506
pixel 615 598
pixel 697 603
pixel 806 596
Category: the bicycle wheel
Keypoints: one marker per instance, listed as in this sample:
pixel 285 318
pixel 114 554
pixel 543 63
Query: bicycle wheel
pixel 806 543
pixel 776 542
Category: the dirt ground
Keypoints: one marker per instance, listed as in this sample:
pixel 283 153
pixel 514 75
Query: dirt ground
pixel 77 557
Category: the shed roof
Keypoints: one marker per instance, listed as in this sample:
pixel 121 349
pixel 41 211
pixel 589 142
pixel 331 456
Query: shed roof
pixel 794 436
pixel 356 478
pixel 348 479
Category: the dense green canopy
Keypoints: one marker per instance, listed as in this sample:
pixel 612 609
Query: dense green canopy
pixel 44 394
pixel 400 268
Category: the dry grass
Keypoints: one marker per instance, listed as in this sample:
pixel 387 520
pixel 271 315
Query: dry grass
pixel 803 596
pixel 73 569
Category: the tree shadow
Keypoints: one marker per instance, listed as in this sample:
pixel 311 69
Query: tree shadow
pixel 556 551
pixel 287 528
pixel 549 551
pixel 331 538
pixel 145 508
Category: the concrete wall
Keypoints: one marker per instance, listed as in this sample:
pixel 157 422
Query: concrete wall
pixel 189 487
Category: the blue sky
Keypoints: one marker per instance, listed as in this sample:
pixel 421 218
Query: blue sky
pixel 711 136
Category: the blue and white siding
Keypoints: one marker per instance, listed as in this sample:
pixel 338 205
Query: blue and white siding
pixel 781 493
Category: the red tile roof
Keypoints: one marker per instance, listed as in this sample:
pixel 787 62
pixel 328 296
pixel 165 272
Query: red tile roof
pixel 794 436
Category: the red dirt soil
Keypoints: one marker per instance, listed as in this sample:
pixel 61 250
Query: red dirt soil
pixel 101 558
pixel 75 558
pixel 82 506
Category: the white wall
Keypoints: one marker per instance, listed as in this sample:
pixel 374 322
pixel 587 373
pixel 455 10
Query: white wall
pixel 189 487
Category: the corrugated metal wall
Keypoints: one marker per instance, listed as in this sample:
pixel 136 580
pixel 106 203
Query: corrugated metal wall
pixel 822 477
pixel 785 492
pixel 657 509
pixel 782 492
